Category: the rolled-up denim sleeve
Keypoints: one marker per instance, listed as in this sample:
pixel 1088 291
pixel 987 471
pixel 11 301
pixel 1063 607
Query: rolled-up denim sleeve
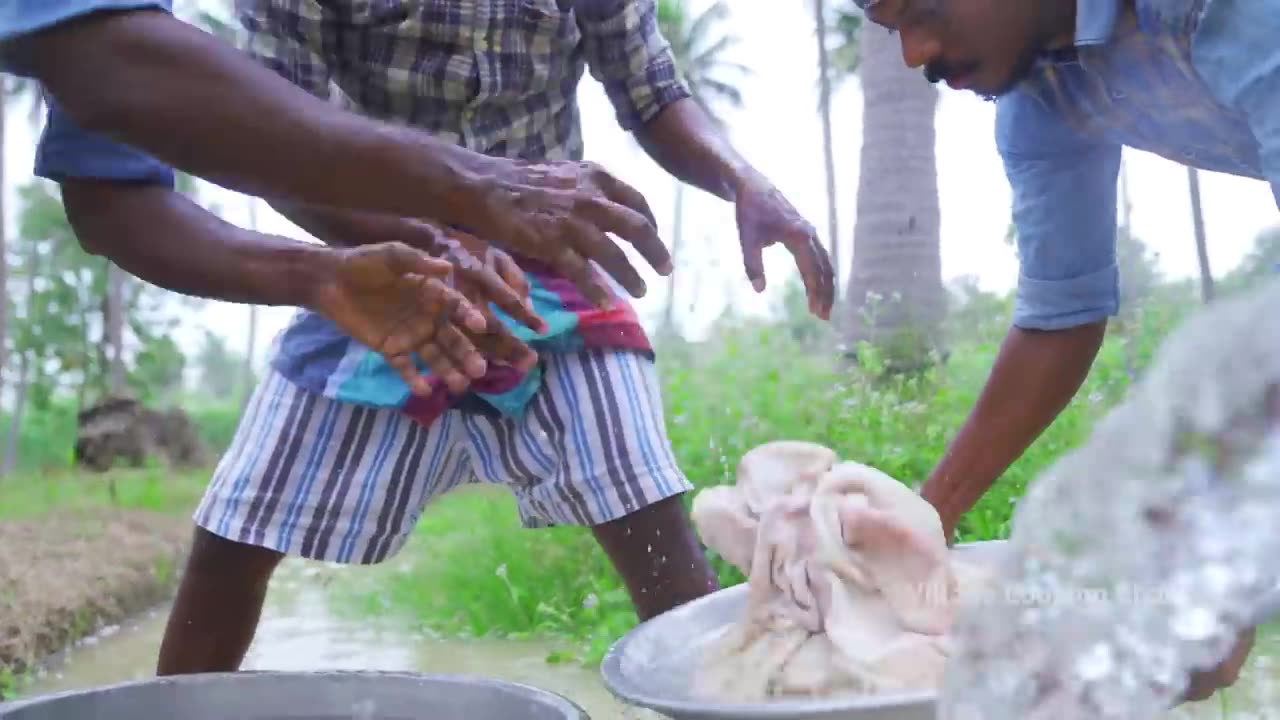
pixel 67 151
pixel 1064 213
pixel 1236 51
pixel 25 17
pixel 627 53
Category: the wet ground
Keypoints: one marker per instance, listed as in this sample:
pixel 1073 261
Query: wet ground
pixel 300 631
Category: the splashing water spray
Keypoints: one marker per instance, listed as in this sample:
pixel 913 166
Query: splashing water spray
pixel 1139 557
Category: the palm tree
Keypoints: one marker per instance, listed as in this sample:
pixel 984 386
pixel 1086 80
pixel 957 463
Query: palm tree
pixel 896 299
pixel 699 55
pixel 822 30
pixel 246 377
pixel 1197 223
pixel 837 60
pixel 11 89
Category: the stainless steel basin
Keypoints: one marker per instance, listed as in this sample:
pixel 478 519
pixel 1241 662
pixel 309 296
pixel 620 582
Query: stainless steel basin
pixel 302 696
pixel 651 667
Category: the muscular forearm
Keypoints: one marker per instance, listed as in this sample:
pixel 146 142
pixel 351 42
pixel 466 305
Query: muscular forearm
pixel 689 146
pixel 351 228
pixel 151 81
pixel 169 241
pixel 1034 377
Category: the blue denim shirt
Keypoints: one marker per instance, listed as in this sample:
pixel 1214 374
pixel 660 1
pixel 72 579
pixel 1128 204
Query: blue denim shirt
pixel 1195 81
pixel 65 150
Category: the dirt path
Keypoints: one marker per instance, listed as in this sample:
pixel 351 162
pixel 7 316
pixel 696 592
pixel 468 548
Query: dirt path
pixel 65 574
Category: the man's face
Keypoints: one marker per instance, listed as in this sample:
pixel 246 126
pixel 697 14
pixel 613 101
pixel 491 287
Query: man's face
pixel 987 46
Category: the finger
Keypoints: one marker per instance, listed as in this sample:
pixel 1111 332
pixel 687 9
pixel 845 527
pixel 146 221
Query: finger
pixel 826 291
pixel 502 346
pixel 439 362
pixel 594 244
pixel 404 366
pixel 511 274
pixel 461 351
pixel 434 294
pixel 754 264
pixel 608 216
pixel 807 260
pixel 578 271
pixel 623 194
pixel 487 286
pixel 404 260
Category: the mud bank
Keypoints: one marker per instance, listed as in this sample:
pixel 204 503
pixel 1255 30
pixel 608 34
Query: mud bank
pixel 66 574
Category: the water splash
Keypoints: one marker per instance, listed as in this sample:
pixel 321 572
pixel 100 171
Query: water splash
pixel 1165 514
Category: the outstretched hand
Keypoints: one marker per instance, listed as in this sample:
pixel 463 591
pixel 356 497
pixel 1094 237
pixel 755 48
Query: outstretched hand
pixel 766 218
pixel 560 212
pixel 399 302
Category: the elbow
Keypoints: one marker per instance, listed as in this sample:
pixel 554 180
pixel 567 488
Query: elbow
pixel 98 212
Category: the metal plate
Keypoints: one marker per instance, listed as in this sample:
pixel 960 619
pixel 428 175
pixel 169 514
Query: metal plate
pixel 652 666
pixel 302 696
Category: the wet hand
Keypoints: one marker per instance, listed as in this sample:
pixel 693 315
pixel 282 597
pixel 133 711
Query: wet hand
pixel 399 301
pixel 485 274
pixel 1205 683
pixel 561 213
pixel 766 218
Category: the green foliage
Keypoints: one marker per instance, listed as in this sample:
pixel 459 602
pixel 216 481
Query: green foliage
pixel 56 324
pixel 219 367
pixel 699 52
pixel 845 28
pixel 1263 261
pixel 59 323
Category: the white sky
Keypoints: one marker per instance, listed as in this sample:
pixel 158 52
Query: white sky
pixel 778 131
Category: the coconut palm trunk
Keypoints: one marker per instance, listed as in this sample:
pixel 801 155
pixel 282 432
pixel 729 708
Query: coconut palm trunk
pixel 828 151
pixel 1202 246
pixel 896 299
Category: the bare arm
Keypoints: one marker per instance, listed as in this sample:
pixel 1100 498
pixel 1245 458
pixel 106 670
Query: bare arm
pixel 198 104
pixel 390 297
pixel 1034 377
pixel 169 241
pixel 684 141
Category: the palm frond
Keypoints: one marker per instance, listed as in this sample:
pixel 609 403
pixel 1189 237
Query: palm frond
pixel 699 53
pixel 702 25
pixel 722 91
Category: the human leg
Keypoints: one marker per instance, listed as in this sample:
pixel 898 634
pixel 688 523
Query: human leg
pixel 592 450
pixel 304 476
pixel 217 607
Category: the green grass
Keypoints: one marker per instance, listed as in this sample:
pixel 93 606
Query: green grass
pixel 470 569
pixel 33 494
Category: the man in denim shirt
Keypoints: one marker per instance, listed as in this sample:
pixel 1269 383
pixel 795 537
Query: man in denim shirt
pixel 1196 81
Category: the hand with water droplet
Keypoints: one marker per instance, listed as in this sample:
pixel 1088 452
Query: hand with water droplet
pixel 484 275
pixel 766 218
pixel 397 301
pixel 561 213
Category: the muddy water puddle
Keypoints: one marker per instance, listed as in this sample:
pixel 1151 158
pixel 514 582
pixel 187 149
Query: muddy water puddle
pixel 299 632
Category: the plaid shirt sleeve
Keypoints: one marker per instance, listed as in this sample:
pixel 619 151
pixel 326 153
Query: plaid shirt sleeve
pixel 285 36
pixel 627 53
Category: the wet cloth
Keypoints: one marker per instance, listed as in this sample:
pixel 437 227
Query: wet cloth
pixel 851 587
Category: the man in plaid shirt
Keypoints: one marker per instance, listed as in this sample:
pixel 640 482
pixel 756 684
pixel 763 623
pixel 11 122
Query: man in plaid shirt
pixel 334 459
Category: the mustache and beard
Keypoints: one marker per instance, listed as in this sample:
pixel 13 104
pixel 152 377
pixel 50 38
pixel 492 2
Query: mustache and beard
pixel 1022 68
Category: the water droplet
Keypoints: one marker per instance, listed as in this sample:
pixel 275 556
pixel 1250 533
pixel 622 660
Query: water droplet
pixel 1194 623
pixel 1096 663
